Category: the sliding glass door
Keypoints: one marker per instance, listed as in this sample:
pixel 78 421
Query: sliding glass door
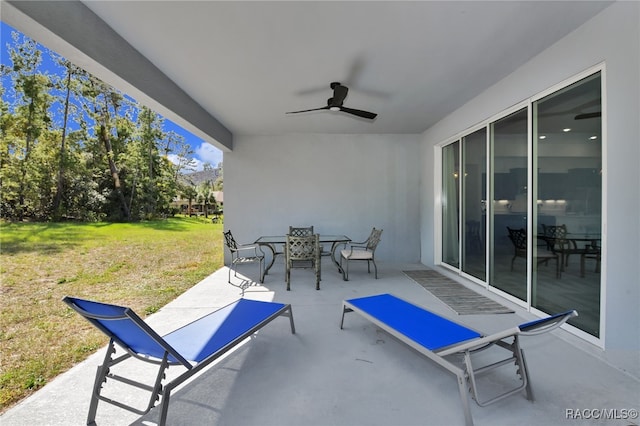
pixel 474 169
pixel 508 208
pixel 567 135
pixel 536 193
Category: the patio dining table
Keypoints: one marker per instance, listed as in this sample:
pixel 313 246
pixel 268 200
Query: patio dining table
pixel 593 239
pixel 570 244
pixel 271 243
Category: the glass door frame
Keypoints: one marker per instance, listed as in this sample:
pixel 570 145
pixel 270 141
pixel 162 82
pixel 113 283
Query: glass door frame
pixel 461 137
pixel 599 68
pixel 531 177
pixel 490 195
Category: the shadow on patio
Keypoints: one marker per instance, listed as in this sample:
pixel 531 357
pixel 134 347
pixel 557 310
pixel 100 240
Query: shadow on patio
pixel 326 376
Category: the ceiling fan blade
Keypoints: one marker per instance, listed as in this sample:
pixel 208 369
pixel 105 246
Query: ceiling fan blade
pixel 307 110
pixel 588 115
pixel 335 103
pixel 359 113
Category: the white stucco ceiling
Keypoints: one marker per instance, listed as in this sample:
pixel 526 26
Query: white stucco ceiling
pixel 247 63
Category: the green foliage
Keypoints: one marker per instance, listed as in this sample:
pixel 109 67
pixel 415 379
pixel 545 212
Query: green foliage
pixel 71 147
pixel 205 196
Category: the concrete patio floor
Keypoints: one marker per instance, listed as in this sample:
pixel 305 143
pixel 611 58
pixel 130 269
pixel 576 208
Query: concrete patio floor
pixel 323 375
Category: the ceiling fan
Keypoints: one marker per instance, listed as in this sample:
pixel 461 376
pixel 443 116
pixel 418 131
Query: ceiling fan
pixel 335 103
pixel 587 115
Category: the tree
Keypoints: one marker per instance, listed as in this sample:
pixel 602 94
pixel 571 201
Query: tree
pixel 218 184
pixel 73 147
pixel 8 186
pixel 183 154
pixel 189 192
pixel 149 174
pixel 66 85
pixel 101 103
pixel 205 196
pixel 31 102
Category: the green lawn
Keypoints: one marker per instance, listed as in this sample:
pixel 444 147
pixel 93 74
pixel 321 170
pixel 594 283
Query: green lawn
pixel 142 265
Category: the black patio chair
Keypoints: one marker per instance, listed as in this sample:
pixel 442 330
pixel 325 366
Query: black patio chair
pixel 242 254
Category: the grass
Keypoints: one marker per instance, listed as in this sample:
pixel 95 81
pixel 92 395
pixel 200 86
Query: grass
pixel 142 265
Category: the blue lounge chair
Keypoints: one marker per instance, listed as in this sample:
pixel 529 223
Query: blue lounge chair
pixel 441 340
pixel 193 346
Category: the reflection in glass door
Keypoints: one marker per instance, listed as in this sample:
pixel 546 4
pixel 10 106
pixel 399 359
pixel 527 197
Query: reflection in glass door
pixel 568 187
pixel 474 159
pixel 508 207
pixel 550 167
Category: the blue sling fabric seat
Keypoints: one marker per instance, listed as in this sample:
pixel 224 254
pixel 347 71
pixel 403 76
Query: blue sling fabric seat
pixel 193 346
pixel 441 340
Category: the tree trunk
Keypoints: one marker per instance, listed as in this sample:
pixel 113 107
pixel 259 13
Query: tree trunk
pixel 60 185
pixel 29 139
pixel 106 140
pixel 104 135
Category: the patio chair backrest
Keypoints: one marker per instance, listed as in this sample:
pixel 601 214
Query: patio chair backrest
pixel 544 325
pixel 230 241
pixel 126 328
pixel 519 238
pixel 555 231
pixel 374 239
pixel 302 248
pixel 300 231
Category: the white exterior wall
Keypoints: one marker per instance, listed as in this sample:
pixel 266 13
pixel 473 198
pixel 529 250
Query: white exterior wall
pixel 340 184
pixel 613 38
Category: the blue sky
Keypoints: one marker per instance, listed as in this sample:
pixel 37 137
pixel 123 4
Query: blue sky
pixel 203 152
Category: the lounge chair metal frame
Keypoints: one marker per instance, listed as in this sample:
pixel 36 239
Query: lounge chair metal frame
pixel 442 340
pixel 145 344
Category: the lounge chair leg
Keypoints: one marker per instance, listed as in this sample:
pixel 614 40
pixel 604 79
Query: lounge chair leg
pixel 344 311
pixel 471 377
pixel 101 377
pixel 164 406
pixel 462 387
pixel 93 406
pixel 523 365
pixel 290 315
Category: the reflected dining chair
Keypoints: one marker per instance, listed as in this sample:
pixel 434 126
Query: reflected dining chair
pixel 519 239
pixel 361 251
pixel 242 254
pixel 557 242
pixel 302 252
pixel 593 252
